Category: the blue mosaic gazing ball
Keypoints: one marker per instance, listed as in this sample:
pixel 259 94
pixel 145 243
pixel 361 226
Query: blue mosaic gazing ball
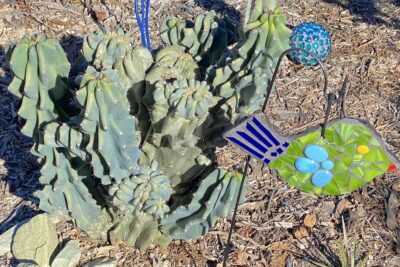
pixel 312 37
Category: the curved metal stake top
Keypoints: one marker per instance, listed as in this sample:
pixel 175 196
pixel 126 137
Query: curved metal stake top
pixel 272 81
pixel 329 96
pixel 143 21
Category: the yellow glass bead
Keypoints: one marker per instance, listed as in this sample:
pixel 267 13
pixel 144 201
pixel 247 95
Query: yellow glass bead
pixel 363 149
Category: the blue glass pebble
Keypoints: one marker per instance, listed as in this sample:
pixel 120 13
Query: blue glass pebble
pixel 304 36
pixel 305 165
pixel 316 153
pixel 327 165
pixel 321 178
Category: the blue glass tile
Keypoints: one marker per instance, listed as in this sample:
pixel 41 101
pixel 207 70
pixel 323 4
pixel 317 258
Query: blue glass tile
pixel 245 147
pixel 252 141
pixel 266 132
pixel 286 144
pixel 258 135
pixel 266 161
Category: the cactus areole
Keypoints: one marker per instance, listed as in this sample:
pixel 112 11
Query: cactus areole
pixel 127 140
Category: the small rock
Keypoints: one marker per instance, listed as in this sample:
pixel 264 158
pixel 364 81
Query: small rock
pixel 104 251
pixel 35 240
pixel 393 261
pixel 326 210
pixel 391 210
pixel 69 255
pixel 27 264
pixel 73 232
pixel 310 220
pixel 396 187
pixel 102 262
pixel 5 240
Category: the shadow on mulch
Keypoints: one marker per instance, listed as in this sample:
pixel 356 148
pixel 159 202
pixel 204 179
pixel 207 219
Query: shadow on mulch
pixel 21 213
pixel 367 11
pixel 220 6
pixel 22 167
pixel 22 170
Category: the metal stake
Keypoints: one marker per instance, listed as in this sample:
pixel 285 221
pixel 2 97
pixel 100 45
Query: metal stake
pixel 246 167
pixel 264 107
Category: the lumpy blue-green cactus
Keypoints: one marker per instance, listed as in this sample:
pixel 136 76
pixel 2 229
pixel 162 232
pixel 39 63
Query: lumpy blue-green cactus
pixel 148 192
pixel 205 39
pixel 127 138
pixel 105 47
pixel 193 215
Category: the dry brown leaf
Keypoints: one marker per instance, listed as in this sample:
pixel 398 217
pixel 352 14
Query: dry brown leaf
pixel 241 257
pixel 279 261
pixel 344 204
pixel 358 197
pixel 301 233
pixel 246 231
pixel 310 220
pixel 101 15
pixel 281 246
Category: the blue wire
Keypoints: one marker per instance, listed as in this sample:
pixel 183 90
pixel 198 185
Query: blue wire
pixel 142 8
pixel 143 21
pixel 140 24
pixel 146 25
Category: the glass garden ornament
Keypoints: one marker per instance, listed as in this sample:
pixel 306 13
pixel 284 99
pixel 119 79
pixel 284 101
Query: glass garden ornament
pixel 313 37
pixel 336 158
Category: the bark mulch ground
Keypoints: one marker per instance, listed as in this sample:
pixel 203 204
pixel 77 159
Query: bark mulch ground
pixel 278 225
